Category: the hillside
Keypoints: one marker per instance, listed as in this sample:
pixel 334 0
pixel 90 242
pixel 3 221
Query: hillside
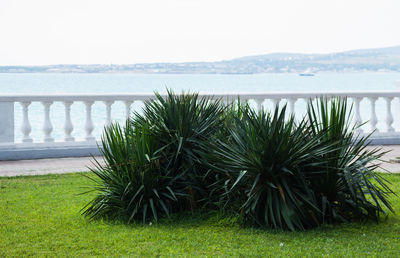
pixel 377 59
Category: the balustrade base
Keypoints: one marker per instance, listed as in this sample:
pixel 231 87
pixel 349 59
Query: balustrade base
pixel 385 138
pixel 21 151
pixel 45 150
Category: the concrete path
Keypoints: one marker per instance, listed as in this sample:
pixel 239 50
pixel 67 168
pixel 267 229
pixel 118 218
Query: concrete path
pixel 67 165
pixel 45 166
pixel 388 166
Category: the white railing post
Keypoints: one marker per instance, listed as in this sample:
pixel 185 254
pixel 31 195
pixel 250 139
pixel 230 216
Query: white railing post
pixel 225 100
pixel 292 103
pixel 230 100
pixel 89 126
pixel 259 103
pixel 275 102
pixel 7 122
pixel 108 111
pixel 357 117
pixel 68 126
pixel 389 116
pixel 309 100
pixel 128 104
pixel 26 126
pixel 47 126
pixel 373 120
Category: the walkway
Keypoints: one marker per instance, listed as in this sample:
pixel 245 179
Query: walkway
pixel 45 166
pixel 67 165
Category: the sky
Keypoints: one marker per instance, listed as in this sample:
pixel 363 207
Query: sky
pixel 44 32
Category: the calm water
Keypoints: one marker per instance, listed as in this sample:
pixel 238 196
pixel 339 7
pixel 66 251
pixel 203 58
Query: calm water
pixel 104 83
pixel 132 83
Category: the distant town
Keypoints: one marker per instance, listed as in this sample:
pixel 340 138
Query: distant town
pixel 365 60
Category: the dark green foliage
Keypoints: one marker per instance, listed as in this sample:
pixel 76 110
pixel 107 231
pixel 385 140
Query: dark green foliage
pixel 185 125
pixel 218 188
pixel 133 184
pixel 348 188
pixel 153 165
pixel 266 159
pixel 283 174
pixel 184 152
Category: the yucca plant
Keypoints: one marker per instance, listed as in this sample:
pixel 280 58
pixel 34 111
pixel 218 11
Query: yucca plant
pixel 218 186
pixel 184 150
pixel 185 124
pixel 348 188
pixel 134 184
pixel 265 158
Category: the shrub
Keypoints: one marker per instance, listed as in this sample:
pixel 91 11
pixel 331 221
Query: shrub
pixel 266 158
pixel 154 164
pixel 295 176
pixel 218 186
pixel 184 151
pixel 348 188
pixel 185 125
pixel 133 184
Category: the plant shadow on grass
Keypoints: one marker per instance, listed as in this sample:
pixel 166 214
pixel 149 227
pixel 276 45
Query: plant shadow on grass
pixel 181 220
pixel 216 219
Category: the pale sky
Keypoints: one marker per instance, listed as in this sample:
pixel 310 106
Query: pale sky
pixel 40 32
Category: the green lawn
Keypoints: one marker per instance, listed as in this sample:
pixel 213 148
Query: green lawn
pixel 40 216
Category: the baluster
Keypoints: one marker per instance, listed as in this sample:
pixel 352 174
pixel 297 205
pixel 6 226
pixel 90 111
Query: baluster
pixel 108 111
pixel 259 103
pixel 230 99
pixel 68 126
pixel 292 102
pixel 225 100
pixel 128 104
pixel 7 122
pixel 330 97
pixel 389 116
pixel 89 126
pixel 309 100
pixel 233 103
pixel 275 103
pixel 47 126
pixel 357 118
pixel 373 119
pixel 26 126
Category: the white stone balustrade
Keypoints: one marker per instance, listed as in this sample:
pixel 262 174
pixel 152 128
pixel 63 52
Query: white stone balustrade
pixel 128 105
pixel 7 135
pixel 89 126
pixel 373 120
pixel 68 126
pixel 108 111
pixel 26 126
pixel 389 116
pixel 357 118
pixel 47 126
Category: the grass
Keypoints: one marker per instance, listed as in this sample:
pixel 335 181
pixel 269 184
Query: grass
pixel 39 216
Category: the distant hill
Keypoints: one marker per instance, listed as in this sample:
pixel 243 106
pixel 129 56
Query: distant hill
pixel 376 59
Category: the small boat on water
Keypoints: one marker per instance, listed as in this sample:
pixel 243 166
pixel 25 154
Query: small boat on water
pixel 306 73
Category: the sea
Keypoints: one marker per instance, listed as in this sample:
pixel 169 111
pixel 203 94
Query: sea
pixel 53 83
